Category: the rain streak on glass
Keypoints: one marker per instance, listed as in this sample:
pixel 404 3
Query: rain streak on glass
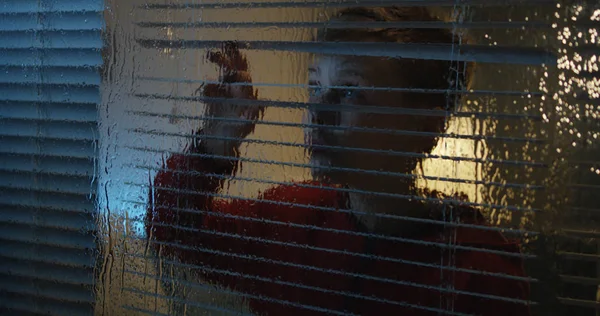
pixel 267 158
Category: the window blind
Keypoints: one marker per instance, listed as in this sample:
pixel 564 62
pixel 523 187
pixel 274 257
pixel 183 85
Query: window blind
pixel 49 92
pixel 520 145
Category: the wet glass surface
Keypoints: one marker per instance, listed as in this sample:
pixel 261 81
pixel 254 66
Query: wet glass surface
pixel 520 146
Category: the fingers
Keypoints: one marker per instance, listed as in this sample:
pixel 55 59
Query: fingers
pixel 213 90
pixel 226 90
pixel 243 111
pixel 253 113
pixel 199 90
pixel 220 59
pixel 237 60
pixel 234 73
pixel 229 57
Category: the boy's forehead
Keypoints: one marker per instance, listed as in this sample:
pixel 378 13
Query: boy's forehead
pixel 346 59
pixel 321 63
pixel 334 66
pixel 353 70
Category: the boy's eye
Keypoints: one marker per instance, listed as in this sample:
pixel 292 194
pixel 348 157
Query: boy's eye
pixel 315 91
pixel 349 93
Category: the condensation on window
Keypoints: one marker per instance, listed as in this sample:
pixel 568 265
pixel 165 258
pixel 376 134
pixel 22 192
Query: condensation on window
pixel 520 145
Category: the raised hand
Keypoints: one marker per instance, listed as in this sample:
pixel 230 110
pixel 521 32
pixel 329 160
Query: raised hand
pixel 228 121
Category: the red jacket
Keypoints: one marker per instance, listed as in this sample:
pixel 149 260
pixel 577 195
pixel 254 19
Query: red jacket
pixel 296 251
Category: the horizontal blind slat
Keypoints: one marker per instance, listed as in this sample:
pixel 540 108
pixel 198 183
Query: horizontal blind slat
pixel 75 258
pixel 202 118
pixel 144 311
pixel 288 245
pixel 17 303
pixel 64 21
pixel 429 51
pixel 198 82
pixel 39 57
pixel 46 182
pixel 580 256
pixel 333 148
pixel 36 6
pixel 581 233
pixel 579 302
pixel 333 4
pixel 50 93
pixel 48 111
pixel 50 75
pixel 524 186
pixel 48 165
pixel 47 147
pixel 341 107
pixel 83 131
pixel 80 39
pixel 75 203
pixel 48 272
pixel 47 236
pixel 65 293
pixel 351 25
pixel 580 280
pixel 46 218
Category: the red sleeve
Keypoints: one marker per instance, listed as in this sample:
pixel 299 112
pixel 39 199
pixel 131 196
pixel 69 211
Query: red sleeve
pixel 508 291
pixel 180 193
pixel 290 252
pixel 419 279
pixel 282 247
pixel 278 250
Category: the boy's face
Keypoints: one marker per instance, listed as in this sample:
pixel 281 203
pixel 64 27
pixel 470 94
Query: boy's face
pixel 353 90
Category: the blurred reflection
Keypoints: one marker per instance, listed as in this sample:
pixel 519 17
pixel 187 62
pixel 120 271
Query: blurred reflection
pixel 359 238
pixel 575 209
pixel 362 229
